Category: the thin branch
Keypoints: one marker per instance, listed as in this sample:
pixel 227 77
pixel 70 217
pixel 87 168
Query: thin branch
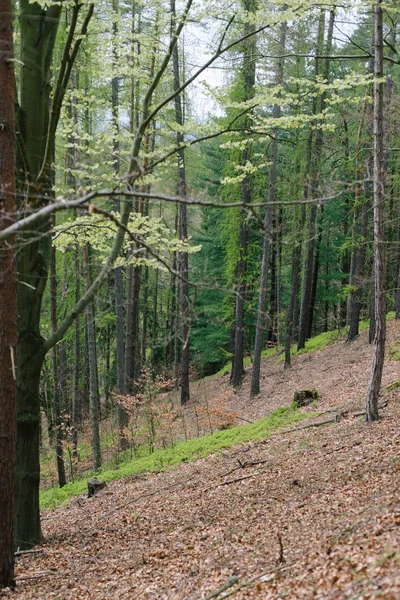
pixel 146 120
pixel 220 50
pixel 67 62
pixel 84 202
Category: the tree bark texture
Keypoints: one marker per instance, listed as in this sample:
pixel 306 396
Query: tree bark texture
pixel 183 227
pixel 55 375
pixel 93 382
pixel 248 75
pixel 268 220
pixel 379 198
pixel 307 307
pixel 8 300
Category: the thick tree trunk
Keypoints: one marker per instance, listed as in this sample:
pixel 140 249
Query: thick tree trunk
pixel 379 198
pixel 38 29
pixel 8 301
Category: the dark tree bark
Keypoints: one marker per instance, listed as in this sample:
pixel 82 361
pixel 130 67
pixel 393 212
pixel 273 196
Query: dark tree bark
pixel 8 301
pixel 55 375
pixel 276 113
pixel 379 198
pixel 76 393
pixel 183 227
pixel 248 75
pixel 306 316
pixel 39 113
pixel 93 382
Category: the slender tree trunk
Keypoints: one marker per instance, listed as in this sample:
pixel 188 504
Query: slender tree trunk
pixel 397 306
pixel 154 342
pixel 8 301
pixel 316 270
pixel 93 383
pixel 306 316
pixel 358 270
pixel 293 296
pixel 276 113
pixel 248 76
pixel 379 198
pixel 56 382
pixel 183 227
pixel 76 394
pixel 122 414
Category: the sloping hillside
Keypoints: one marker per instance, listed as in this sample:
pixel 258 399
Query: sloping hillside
pixel 310 512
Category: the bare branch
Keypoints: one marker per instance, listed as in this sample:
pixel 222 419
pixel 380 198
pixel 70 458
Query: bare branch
pixel 67 62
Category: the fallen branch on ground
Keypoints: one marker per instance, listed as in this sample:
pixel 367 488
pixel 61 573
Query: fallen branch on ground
pixel 232 581
pixel 32 551
pixel 268 575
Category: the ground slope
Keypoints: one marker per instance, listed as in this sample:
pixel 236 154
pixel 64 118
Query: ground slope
pixel 308 513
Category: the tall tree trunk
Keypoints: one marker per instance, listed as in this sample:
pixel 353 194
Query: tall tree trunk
pixel 248 76
pixel 268 220
pixel 306 316
pixel 55 375
pixel 316 270
pixel 183 225
pixel 122 414
pixel 76 394
pixel 38 29
pixel 8 301
pixel 93 382
pixel 379 198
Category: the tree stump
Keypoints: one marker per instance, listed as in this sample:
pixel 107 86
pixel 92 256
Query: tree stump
pixel 94 485
pixel 305 397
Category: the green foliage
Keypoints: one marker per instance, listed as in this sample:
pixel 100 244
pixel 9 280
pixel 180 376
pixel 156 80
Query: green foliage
pixel 192 449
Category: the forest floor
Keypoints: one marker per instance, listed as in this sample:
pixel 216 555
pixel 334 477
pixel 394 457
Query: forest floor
pixel 312 512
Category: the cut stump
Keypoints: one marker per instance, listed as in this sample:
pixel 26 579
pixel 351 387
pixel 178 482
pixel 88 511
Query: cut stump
pixel 305 397
pixel 94 485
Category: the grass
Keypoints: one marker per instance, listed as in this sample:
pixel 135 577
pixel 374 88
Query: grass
pixel 189 450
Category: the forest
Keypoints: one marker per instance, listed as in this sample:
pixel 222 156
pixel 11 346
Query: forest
pixel 187 191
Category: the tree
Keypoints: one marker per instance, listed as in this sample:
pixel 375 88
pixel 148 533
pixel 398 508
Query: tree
pixel 248 76
pixel 8 300
pixel 268 220
pixel 379 199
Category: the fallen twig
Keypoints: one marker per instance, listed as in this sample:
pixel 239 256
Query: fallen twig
pixel 245 465
pixel 270 574
pixel 318 424
pixel 38 575
pixel 232 581
pixel 33 551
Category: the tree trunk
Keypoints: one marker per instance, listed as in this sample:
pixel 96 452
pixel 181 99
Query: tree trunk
pixel 76 394
pixel 55 375
pixel 183 227
pixel 306 316
pixel 248 74
pixel 379 198
pixel 93 383
pixel 8 301
pixel 276 113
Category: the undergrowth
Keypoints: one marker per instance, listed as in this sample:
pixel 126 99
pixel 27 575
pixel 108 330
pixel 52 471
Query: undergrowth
pixel 318 342
pixel 188 450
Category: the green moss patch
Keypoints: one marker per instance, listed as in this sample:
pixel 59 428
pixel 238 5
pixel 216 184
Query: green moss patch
pixel 192 449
